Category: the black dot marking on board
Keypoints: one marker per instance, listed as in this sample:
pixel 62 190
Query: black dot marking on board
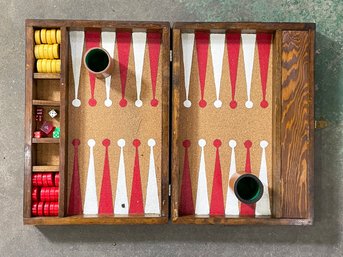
pixel 123 205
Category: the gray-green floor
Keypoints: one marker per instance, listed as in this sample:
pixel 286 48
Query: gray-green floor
pixel 322 239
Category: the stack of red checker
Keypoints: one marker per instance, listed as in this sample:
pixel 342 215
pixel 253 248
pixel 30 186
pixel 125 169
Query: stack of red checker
pixel 45 194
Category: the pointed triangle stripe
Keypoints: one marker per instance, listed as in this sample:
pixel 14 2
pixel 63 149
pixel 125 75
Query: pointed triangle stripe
pixel 263 45
pixel 186 198
pixel 136 202
pixel 247 209
pixel 123 44
pixel 93 39
pixel 75 204
pixel 154 44
pixel 106 201
pixel 217 198
pixel 233 45
pixel 202 40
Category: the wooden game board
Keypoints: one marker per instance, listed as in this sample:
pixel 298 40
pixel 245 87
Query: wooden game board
pixel 112 156
pixel 242 102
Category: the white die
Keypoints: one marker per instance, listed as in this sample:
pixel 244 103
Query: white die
pixel 53 113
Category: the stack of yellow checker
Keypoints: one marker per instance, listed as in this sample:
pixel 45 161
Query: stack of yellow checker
pixel 47 50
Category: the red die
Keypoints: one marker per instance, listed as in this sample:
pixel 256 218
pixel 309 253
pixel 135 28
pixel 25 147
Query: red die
pixel 47 127
pixel 37 134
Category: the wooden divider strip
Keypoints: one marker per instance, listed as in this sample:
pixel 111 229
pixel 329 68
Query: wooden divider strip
pixel 63 123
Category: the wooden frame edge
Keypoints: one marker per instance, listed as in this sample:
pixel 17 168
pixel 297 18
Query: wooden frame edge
pixel 29 67
pixel 264 26
pixel 76 220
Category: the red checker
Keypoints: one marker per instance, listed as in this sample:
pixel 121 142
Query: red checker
pixel 35 194
pixel 56 193
pixel 52 194
pixel 51 209
pixel 44 194
pixel 45 180
pixel 34 180
pixel 34 209
pixel 39 179
pixel 40 209
pixel 55 204
pixel 57 179
pixel 46 209
pixel 50 179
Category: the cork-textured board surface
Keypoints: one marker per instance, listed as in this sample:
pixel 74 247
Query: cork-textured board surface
pixel 224 123
pixel 115 122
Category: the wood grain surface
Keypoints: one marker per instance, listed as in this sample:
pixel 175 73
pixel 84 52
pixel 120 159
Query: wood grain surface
pixel 295 120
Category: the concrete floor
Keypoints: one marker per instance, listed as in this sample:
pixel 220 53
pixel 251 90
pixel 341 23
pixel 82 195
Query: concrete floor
pixel 322 239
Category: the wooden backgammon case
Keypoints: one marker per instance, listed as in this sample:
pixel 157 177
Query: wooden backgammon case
pixel 111 137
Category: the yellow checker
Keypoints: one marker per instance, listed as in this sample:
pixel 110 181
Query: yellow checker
pixel 37 37
pixel 37 51
pixel 58 65
pixel 48 36
pixel 58 36
pixel 51 52
pixel 48 66
pixel 53 36
pixel 56 50
pixel 46 51
pixel 53 66
pixel 44 68
pixel 39 65
pixel 43 36
pixel 41 51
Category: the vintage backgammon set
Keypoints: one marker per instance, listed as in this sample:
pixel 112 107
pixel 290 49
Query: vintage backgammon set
pixel 142 123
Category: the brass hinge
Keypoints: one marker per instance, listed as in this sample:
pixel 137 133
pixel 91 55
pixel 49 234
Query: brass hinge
pixel 322 123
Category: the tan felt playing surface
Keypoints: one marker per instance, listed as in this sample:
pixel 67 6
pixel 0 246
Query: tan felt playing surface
pixel 115 122
pixel 224 123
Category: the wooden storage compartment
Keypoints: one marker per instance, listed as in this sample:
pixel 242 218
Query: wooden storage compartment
pixel 237 110
pixel 44 165
pixel 113 157
pixel 46 89
pixel 46 154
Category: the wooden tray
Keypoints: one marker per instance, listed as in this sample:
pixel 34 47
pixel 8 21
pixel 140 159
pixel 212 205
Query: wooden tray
pixel 224 74
pixel 272 140
pixel 112 155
